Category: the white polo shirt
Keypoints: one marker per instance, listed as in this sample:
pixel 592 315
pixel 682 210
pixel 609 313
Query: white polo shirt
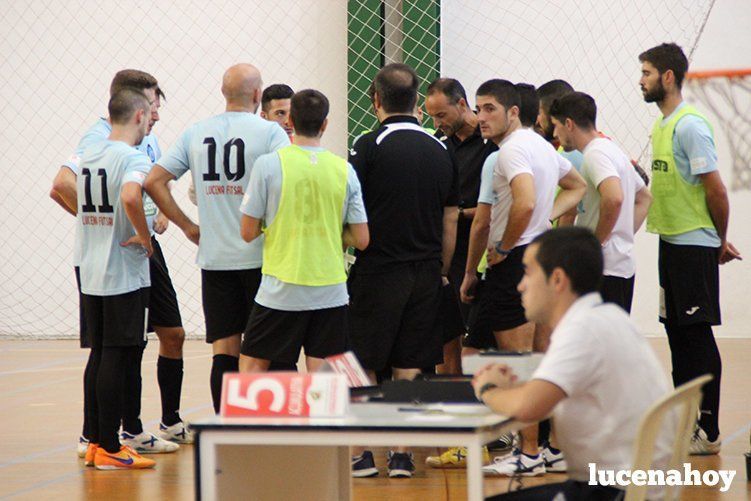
pixel 603 159
pixel 522 152
pixel 611 377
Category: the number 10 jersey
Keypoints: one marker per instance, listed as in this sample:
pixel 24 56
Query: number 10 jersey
pixel 220 152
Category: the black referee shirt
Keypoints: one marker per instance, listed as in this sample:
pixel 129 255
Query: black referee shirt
pixel 469 157
pixel 407 179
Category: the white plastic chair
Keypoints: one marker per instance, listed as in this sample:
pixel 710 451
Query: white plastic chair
pixel 685 400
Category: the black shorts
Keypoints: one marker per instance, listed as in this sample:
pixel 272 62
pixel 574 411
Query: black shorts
pixel 228 298
pixel 278 335
pixel 394 316
pixel 689 284
pixel 116 321
pixel 451 321
pixel 479 334
pixel 163 308
pixel 618 290
pixel 83 337
pixel 500 304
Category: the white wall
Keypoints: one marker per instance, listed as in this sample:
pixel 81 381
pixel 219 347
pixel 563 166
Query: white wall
pixel 57 59
pixel 595 45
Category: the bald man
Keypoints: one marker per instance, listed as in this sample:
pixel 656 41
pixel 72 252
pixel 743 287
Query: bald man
pixel 219 153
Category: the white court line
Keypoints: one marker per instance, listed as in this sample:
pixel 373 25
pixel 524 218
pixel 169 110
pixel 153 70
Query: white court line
pixel 737 433
pixel 78 367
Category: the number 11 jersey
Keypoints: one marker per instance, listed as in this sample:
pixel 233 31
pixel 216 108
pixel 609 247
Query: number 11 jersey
pixel 219 152
pixel 108 268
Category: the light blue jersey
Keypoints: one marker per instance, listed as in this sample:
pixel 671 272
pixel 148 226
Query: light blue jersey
pixel 99 132
pixel 108 268
pixel 262 202
pixel 220 152
pixel 577 159
pixel 695 153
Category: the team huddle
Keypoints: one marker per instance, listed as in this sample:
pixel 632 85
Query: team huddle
pixel 410 252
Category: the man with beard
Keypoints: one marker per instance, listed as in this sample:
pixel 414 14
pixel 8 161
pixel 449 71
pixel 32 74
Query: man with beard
pixel 690 212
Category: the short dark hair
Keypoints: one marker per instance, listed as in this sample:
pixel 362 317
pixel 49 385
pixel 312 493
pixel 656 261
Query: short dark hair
pixel 550 91
pixel 308 110
pixel 449 87
pixel 135 79
pixel 667 56
pixel 275 91
pixel 125 102
pixel 396 85
pixel 577 106
pixel 530 104
pixel 503 91
pixel 576 251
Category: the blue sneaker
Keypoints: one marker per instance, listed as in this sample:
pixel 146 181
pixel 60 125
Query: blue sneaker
pixel 401 464
pixel 364 465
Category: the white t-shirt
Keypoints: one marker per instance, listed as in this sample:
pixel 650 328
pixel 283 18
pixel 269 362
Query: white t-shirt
pixel 522 152
pixel 603 159
pixel 611 377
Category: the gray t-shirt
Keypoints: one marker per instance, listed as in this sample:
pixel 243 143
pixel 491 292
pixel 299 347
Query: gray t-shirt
pixel 108 268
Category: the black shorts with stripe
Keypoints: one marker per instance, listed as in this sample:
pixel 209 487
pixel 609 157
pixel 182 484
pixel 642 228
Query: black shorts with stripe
pixel 116 321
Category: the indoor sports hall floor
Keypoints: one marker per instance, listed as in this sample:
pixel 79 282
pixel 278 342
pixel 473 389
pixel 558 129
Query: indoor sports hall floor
pixel 40 418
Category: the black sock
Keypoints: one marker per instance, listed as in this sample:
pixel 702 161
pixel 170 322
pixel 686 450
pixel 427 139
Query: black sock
pixel 169 374
pixel 116 362
pixel 543 434
pixel 131 404
pixel 221 364
pixel 85 432
pixel 90 404
pixel 694 352
pixel 707 361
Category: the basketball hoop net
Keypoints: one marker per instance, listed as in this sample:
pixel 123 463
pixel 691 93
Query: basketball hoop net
pixel 727 95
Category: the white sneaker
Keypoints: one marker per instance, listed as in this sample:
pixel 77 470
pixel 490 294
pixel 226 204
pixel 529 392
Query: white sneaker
pixel 147 443
pixel 179 433
pixel 517 465
pixel 83 444
pixel 702 446
pixel 554 462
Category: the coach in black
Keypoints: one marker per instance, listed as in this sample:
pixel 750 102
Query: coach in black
pixel 446 102
pixel 410 189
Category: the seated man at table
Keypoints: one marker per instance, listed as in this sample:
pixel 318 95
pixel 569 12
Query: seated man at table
pixel 598 377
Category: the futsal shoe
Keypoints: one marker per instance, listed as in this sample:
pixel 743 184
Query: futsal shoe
pixel 179 433
pixel 517 464
pixel 90 454
pixel 702 446
pixel 456 457
pixel 555 462
pixel 504 442
pixel 147 443
pixel 83 446
pixel 125 459
pixel 363 466
pixel 401 464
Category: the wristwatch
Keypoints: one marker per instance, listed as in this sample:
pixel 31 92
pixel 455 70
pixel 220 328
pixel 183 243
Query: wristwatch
pixel 501 251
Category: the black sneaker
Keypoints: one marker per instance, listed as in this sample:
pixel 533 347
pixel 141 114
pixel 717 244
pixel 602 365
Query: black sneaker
pixel 401 464
pixel 364 466
pixel 504 443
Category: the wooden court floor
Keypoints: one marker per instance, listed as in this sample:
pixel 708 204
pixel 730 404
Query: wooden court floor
pixel 40 418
